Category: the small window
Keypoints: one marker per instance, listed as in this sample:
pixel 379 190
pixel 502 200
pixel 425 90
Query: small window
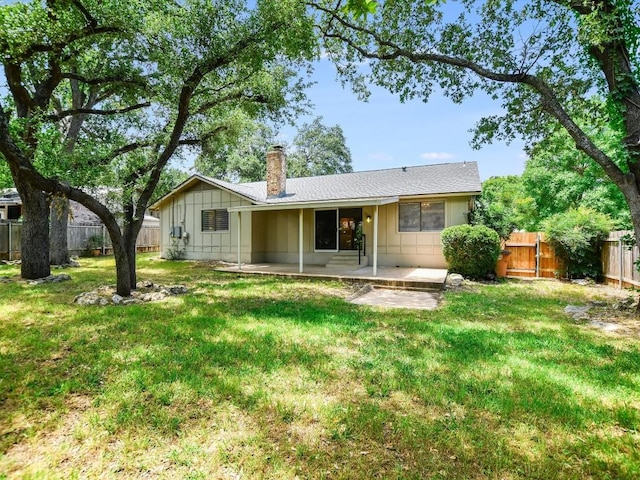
pixel 421 217
pixel 215 220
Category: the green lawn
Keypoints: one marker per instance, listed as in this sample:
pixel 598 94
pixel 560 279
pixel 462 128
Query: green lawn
pixel 253 377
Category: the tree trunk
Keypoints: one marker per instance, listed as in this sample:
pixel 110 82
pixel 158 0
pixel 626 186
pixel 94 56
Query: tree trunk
pixel 35 234
pixel 121 255
pixel 59 254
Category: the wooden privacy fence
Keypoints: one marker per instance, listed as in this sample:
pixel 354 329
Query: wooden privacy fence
pixel 618 261
pixel 77 236
pixel 531 256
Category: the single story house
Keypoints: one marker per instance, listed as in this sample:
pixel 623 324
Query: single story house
pixel 398 212
pixel 11 210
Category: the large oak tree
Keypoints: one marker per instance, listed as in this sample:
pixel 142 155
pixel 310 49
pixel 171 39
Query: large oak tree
pixel 544 60
pixel 180 70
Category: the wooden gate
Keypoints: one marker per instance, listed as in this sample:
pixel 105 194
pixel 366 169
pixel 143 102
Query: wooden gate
pixel 531 256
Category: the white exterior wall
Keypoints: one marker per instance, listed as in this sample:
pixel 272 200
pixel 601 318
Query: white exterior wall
pixel 184 210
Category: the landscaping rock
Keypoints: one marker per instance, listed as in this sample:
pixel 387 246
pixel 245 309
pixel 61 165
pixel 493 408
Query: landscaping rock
pixel 132 301
pixel 606 326
pixel 583 281
pixel 63 277
pixel 146 292
pixel 577 312
pixel 177 289
pixel 454 279
pixel 11 262
pixel 90 298
pixel 153 296
pixel 597 303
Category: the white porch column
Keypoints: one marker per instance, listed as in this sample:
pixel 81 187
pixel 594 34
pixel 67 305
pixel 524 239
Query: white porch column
pixel 239 219
pixel 301 240
pixel 375 241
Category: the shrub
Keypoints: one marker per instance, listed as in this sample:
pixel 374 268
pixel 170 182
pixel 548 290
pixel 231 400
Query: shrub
pixel 471 251
pixel 576 237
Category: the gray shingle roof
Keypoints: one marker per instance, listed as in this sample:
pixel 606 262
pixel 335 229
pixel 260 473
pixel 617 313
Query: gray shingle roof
pixel 445 178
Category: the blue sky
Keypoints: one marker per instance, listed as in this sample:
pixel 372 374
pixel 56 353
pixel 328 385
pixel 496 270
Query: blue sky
pixel 385 133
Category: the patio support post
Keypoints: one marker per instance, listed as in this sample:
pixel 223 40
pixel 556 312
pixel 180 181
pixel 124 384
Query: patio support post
pixel 375 241
pixel 239 218
pixel 301 240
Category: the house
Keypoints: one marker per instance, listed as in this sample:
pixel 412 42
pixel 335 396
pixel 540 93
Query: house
pixel 11 209
pixel 10 205
pixel 316 220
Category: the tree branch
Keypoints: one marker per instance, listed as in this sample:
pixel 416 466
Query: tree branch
pixel 549 100
pixel 99 81
pixel 91 111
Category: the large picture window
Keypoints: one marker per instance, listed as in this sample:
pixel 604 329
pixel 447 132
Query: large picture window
pixel 421 216
pixel 216 220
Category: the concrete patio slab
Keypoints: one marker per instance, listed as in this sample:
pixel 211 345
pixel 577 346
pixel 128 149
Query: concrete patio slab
pixel 401 277
pixel 386 298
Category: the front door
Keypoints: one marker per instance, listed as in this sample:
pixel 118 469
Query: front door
pixel 350 219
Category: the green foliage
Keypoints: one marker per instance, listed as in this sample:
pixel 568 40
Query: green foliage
pixel 502 205
pixel 471 250
pixel 576 237
pixel 319 150
pixel 177 75
pixel 557 177
pixel 238 154
pixel 5 175
pixel 175 251
pixel 495 371
pixel 93 243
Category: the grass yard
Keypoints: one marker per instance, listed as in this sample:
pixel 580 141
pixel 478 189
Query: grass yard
pixel 254 377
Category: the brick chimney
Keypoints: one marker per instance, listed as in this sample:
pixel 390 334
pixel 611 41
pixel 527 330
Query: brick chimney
pixel 276 172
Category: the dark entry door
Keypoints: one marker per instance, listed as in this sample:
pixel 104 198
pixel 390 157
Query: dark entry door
pixel 350 219
pixel 326 226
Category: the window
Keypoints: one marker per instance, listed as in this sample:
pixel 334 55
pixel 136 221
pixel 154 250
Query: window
pixel 215 220
pixel 421 217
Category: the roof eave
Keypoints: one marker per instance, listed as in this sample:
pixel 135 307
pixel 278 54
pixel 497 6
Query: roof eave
pixel 351 202
pixel 189 182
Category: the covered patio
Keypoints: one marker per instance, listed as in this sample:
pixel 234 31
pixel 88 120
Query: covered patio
pixel 401 277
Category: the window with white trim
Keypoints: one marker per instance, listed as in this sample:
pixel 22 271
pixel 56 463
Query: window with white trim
pixel 421 216
pixel 216 220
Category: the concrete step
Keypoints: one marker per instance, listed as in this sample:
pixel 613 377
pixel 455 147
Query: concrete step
pixel 342 259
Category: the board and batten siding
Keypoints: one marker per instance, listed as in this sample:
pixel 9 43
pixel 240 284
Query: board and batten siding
pixel 413 249
pixel 184 210
pixel 275 236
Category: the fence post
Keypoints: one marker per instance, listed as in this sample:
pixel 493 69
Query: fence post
pixel 621 263
pixel 538 255
pixel 103 237
pixel 10 246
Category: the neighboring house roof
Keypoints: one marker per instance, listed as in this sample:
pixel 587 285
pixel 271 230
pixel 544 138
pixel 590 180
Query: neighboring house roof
pixel 10 197
pixel 440 179
pixel 80 215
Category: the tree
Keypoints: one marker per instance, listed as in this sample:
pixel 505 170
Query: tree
pixel 544 59
pixel 316 150
pixel 557 177
pixel 502 206
pixel 192 65
pixel 319 150
pixel 238 154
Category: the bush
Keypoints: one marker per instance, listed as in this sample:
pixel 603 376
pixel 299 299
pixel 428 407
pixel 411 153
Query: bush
pixel 471 251
pixel 576 237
